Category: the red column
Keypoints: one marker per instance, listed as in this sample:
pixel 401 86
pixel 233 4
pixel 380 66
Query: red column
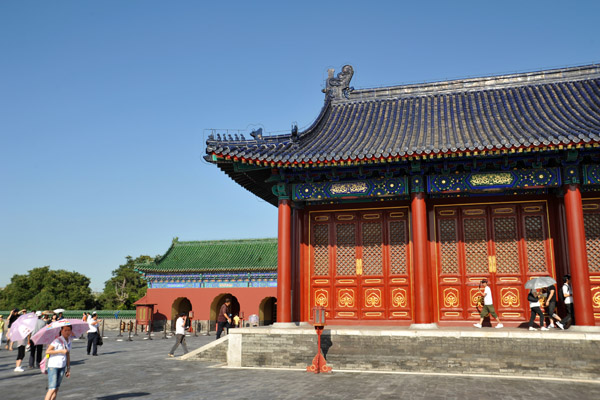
pixel 284 262
pixel 580 277
pixel 422 292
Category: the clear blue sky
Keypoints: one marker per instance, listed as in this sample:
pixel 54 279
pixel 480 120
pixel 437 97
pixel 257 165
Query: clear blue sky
pixel 104 105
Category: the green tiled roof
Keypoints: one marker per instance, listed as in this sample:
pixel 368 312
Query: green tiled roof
pixel 216 256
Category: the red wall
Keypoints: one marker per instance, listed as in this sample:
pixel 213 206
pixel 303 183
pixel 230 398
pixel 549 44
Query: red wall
pixel 202 298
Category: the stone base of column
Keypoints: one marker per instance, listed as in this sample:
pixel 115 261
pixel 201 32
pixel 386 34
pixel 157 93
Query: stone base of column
pixel 424 326
pixel 285 324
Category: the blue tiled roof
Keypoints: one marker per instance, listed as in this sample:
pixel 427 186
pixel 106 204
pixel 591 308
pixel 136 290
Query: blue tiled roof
pixel 546 108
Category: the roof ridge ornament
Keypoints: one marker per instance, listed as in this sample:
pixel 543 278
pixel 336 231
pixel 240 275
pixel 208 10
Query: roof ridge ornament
pixel 336 87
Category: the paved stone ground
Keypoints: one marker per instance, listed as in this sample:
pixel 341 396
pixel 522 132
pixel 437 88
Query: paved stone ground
pixel 141 370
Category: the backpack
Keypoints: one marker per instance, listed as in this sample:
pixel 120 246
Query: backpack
pixel 561 294
pixel 43 364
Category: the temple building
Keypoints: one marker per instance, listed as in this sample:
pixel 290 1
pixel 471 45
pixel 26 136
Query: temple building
pixel 397 201
pixel 195 277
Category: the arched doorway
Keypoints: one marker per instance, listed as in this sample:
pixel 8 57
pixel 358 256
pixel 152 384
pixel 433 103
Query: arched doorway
pixel 267 312
pixel 180 305
pixel 216 304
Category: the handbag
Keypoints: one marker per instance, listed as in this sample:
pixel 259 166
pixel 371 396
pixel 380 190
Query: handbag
pixel 43 364
pixel 100 342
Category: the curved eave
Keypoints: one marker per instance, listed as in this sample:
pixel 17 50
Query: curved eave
pixel 408 156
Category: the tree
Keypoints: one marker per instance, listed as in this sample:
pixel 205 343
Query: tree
pixel 125 287
pixel 46 289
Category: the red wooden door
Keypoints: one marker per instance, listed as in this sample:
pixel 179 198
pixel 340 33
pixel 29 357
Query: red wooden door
pixel 591 221
pixel 505 243
pixel 359 264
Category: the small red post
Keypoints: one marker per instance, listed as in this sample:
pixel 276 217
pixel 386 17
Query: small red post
pixel 319 364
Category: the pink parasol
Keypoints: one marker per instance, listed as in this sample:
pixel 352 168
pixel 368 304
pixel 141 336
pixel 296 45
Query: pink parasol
pixel 50 332
pixel 22 327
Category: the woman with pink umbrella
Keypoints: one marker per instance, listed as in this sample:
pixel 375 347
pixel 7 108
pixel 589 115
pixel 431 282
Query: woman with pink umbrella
pixel 59 363
pixel 19 331
pixel 58 334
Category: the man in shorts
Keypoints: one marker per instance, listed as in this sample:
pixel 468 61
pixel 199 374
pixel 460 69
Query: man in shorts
pixel 488 306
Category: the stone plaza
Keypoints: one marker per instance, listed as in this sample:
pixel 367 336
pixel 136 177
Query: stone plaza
pixel 140 369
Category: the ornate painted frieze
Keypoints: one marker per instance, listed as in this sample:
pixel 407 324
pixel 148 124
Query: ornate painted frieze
pixel 494 181
pixel 591 174
pixel 319 191
pixel 571 175
pixel 417 184
pixel 216 280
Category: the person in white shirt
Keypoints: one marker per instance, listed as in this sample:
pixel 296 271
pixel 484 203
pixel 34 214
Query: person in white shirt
pixel 179 334
pixel 488 306
pixel 92 334
pixel 59 363
pixel 567 292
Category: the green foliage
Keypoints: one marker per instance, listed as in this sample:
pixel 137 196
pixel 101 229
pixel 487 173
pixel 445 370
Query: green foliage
pixel 125 287
pixel 46 289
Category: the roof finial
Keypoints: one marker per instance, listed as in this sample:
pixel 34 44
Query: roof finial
pixel 339 86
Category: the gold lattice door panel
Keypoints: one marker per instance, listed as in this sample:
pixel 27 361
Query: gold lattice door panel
pixel 372 249
pixel 398 251
pixel 535 242
pixel 507 246
pixel 505 243
pixel 345 253
pixel 591 221
pixel 321 249
pixel 476 245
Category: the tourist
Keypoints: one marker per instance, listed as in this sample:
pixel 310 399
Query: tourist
pixel 92 334
pixel 20 354
pixel 551 307
pixel 35 350
pixel 567 294
pixel 2 329
pixel 179 334
pixel 12 317
pixel 534 305
pixel 224 319
pixel 488 306
pixel 59 363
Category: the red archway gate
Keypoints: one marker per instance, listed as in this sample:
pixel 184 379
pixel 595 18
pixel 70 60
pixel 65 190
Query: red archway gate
pixel 360 264
pixel 507 243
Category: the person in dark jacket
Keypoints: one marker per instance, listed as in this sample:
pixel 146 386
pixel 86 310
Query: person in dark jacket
pixel 224 318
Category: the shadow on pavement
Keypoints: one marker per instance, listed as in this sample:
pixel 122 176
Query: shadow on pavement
pixel 110 352
pixel 123 396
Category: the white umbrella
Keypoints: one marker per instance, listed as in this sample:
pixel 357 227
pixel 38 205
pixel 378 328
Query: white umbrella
pixel 59 310
pixel 539 282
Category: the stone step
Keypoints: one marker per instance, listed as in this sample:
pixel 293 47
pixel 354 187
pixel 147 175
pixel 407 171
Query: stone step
pixel 214 351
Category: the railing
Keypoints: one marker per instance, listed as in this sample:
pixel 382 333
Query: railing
pixel 102 314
